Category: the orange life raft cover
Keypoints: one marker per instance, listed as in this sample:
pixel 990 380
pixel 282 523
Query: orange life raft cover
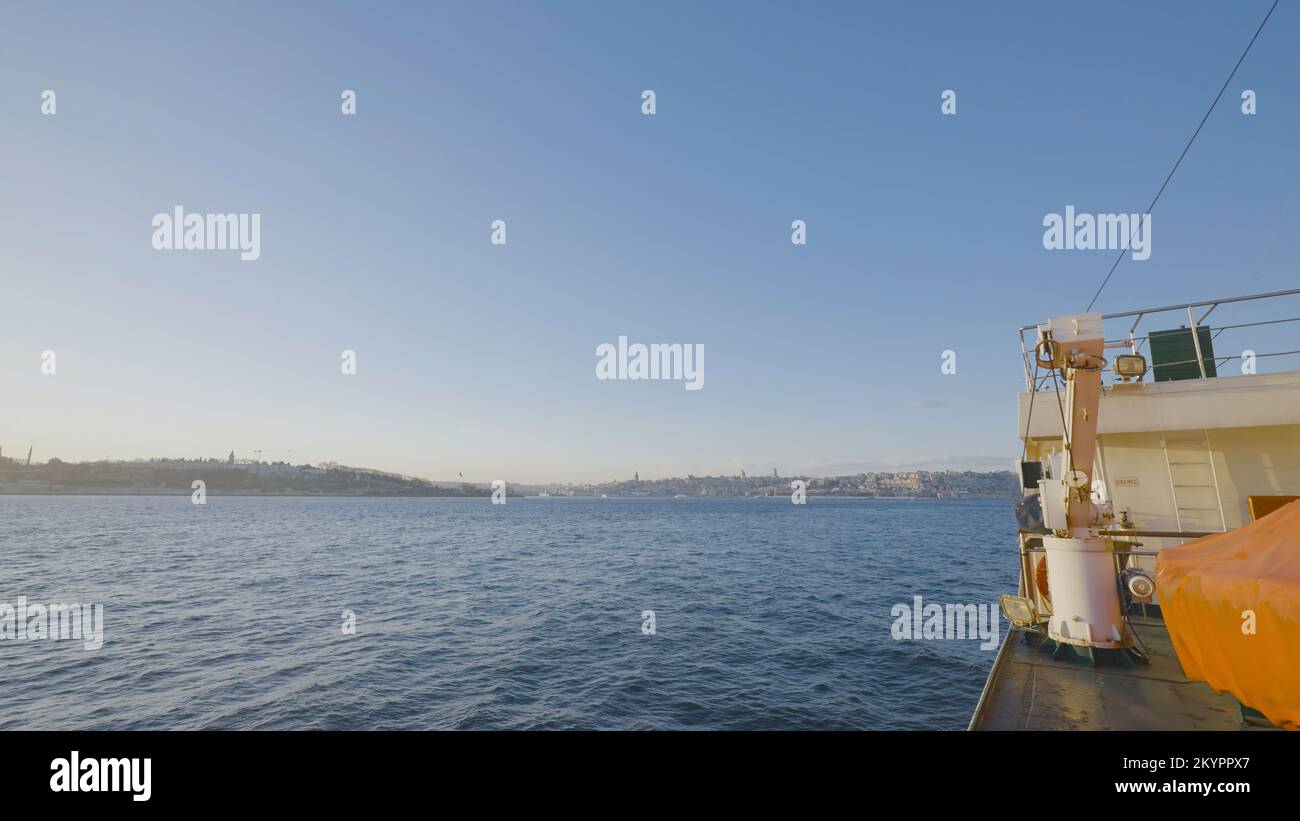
pixel 1205 589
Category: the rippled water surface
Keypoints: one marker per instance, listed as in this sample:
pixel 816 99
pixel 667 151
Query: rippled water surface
pixel 523 615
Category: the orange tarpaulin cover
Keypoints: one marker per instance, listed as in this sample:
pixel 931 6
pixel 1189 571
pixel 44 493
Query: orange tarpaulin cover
pixel 1205 589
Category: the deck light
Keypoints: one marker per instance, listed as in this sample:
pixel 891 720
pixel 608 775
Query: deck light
pixel 1019 610
pixel 1140 586
pixel 1130 366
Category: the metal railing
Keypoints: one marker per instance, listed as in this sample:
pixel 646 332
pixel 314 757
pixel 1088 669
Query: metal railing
pixel 1135 342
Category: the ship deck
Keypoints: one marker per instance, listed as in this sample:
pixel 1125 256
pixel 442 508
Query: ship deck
pixel 1028 690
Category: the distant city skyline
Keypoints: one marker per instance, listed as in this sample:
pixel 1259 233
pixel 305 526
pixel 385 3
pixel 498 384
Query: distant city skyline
pixel 235 477
pixel 826 471
pixel 376 234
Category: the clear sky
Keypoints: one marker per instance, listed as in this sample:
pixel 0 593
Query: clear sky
pixel 924 230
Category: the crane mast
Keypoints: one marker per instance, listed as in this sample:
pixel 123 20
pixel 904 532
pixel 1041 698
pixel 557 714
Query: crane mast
pixel 1086 611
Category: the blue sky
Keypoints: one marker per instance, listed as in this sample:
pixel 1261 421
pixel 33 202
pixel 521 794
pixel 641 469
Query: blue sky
pixel 924 230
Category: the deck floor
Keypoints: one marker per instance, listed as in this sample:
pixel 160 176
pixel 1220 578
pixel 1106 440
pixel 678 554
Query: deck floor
pixel 1030 691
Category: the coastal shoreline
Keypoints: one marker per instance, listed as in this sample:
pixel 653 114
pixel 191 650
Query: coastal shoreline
pixel 486 493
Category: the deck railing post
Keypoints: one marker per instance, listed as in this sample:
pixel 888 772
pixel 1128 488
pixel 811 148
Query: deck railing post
pixel 1024 357
pixel 1196 341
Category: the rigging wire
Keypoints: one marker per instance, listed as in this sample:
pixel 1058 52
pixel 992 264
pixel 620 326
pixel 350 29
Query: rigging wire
pixel 1187 148
pixel 1065 428
pixel 1277 232
pixel 1033 391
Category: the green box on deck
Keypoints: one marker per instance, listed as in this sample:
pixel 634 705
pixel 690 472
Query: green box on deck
pixel 1173 354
